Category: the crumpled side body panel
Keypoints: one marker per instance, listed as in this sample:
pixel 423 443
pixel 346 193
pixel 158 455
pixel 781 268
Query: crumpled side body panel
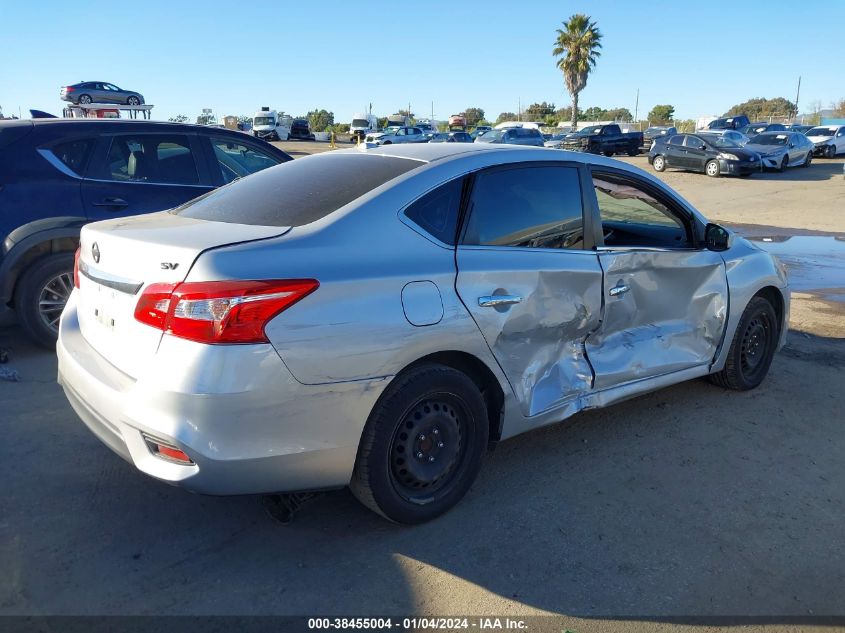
pixel 671 317
pixel 538 342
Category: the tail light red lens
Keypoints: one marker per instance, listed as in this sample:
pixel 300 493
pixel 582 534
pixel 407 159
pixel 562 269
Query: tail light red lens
pixel 76 267
pixel 220 311
pixel 69 89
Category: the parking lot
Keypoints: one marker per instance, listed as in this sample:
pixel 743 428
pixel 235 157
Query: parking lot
pixel 689 501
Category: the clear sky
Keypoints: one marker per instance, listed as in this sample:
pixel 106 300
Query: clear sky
pixel 701 57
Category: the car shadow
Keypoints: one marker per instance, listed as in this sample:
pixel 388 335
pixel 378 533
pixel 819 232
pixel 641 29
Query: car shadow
pixel 819 169
pixel 691 501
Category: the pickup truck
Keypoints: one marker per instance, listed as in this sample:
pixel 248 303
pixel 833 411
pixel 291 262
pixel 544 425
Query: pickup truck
pixel 604 139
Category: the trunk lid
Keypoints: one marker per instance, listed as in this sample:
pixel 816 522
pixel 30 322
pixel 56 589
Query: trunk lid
pixel 120 258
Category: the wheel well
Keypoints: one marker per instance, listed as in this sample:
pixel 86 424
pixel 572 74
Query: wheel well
pixel 484 379
pixel 775 297
pixel 36 252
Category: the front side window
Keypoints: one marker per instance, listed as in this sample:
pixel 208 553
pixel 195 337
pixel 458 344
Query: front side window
pixel 155 158
pixel 530 207
pixel 437 211
pixel 632 216
pixel 237 160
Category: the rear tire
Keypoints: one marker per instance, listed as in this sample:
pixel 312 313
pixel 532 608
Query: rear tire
pixel 422 446
pixel 608 154
pixel 659 163
pixel 41 295
pixel 712 168
pixel 85 99
pixel 752 348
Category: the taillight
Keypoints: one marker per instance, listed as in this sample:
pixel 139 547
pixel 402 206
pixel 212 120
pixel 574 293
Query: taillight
pixel 69 89
pixel 219 311
pixel 76 267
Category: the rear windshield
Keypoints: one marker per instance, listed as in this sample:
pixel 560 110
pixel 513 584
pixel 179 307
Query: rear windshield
pixel 297 192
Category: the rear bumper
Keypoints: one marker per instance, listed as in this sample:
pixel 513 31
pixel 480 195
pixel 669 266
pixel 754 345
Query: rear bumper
pixel 248 425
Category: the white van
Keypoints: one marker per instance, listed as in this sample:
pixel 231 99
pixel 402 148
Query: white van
pixel 270 125
pixel 362 124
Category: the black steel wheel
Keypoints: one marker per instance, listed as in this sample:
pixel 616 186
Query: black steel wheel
pixel 752 348
pixel 422 446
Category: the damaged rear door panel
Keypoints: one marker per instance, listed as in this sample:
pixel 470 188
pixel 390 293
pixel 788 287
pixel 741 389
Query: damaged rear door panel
pixel 529 282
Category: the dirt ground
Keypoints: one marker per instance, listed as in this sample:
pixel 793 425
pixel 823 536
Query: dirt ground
pixel 691 501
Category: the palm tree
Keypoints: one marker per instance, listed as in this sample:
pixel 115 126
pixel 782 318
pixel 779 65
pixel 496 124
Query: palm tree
pixel 577 47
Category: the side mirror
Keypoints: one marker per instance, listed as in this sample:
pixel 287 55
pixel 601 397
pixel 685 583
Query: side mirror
pixel 716 238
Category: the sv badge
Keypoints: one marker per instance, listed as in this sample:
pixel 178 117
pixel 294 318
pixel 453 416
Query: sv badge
pixel 169 266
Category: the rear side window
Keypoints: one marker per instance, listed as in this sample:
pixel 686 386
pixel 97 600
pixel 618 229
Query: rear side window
pixel 677 140
pixel 74 154
pixel 155 158
pixel 437 211
pixel 533 207
pixel 297 192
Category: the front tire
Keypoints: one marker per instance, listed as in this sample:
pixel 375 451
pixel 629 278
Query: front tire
pixel 831 151
pixel 712 168
pixel 133 101
pixel 784 163
pixel 659 163
pixel 422 446
pixel 808 160
pixel 752 348
pixel 41 295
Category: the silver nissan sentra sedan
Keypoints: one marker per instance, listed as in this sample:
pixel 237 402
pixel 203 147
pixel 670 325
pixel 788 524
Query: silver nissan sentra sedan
pixel 378 318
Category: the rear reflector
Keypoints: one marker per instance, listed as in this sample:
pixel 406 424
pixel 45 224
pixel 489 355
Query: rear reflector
pixel 166 451
pixel 219 311
pixel 76 267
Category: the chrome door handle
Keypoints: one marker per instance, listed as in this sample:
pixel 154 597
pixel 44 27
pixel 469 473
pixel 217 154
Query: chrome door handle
pixel 491 301
pixel 619 290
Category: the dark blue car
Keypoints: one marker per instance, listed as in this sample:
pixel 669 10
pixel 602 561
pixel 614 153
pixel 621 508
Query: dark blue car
pixel 58 174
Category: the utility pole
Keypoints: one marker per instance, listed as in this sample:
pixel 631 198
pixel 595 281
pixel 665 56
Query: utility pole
pixel 637 105
pixel 797 94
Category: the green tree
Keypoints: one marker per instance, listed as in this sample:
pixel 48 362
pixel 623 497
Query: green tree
pixel 382 122
pixel 505 116
pixel 760 108
pixel 577 49
pixel 661 114
pixel 538 111
pixel 473 116
pixel 619 114
pixel 565 114
pixel 595 114
pixel 179 118
pixel 319 120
